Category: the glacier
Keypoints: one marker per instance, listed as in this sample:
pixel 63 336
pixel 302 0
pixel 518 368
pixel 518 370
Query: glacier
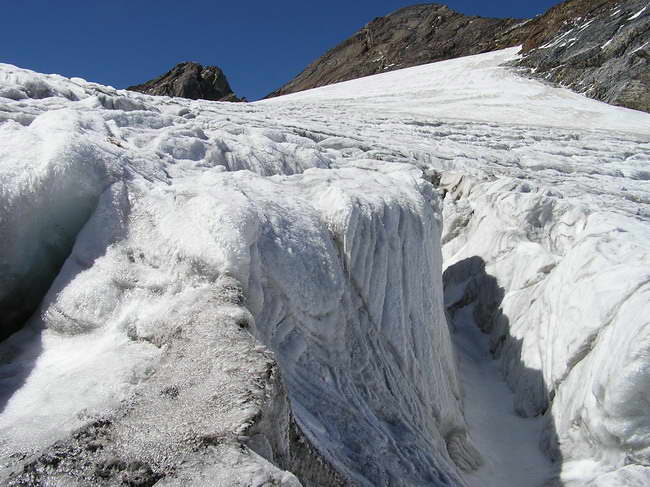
pixel 433 276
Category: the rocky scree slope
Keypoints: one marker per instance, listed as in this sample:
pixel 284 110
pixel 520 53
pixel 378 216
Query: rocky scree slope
pixel 601 50
pixel 190 80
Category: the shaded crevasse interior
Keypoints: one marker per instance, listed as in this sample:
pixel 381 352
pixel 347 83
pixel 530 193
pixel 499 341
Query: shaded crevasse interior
pixel 565 327
pixel 47 198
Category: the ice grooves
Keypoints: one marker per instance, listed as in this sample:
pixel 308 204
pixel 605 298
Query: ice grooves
pixel 277 437
pixel 591 341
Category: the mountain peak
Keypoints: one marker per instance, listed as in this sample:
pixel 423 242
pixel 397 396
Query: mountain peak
pixel 595 47
pixel 190 80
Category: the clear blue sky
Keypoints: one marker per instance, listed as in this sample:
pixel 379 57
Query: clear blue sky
pixel 260 45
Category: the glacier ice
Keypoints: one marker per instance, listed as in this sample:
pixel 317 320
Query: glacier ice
pixel 189 232
pixel 549 191
pixel 250 293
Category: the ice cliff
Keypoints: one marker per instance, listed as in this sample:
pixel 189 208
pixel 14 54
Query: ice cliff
pixel 545 246
pixel 161 236
pixel 253 294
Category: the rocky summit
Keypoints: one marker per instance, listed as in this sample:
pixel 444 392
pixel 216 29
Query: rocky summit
pixel 595 47
pixel 190 80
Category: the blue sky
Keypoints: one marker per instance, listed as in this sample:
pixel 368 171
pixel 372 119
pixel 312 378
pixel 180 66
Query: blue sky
pixel 259 45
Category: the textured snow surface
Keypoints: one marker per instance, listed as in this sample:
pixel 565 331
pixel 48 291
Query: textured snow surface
pixel 165 207
pixel 546 239
pixel 308 220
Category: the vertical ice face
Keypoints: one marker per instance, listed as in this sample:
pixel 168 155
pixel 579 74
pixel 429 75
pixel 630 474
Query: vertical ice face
pixel 362 338
pixel 340 269
pixel 184 232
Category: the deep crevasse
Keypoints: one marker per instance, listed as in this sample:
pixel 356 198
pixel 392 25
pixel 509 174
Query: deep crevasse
pixel 546 223
pixel 540 217
pixel 565 326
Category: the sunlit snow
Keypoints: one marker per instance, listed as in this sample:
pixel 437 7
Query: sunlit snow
pixel 155 228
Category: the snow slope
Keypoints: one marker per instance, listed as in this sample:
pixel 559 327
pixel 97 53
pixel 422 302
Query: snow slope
pixel 157 231
pixel 473 88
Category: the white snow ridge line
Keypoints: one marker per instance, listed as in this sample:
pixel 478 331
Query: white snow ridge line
pixel 638 14
pixel 248 294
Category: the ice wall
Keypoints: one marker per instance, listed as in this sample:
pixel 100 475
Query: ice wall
pixel 192 241
pixel 364 342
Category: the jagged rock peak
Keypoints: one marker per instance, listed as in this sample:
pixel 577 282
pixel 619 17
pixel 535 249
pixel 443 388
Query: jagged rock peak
pixel 190 80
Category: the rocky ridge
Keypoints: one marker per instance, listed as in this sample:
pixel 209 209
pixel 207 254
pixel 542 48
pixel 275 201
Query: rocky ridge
pixel 410 36
pixel 190 80
pixel 599 48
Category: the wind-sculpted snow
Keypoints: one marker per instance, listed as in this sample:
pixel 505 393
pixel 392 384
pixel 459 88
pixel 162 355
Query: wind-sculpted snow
pixel 54 169
pixel 306 220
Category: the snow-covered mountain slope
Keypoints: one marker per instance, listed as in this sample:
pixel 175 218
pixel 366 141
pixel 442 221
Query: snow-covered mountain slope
pixel 471 88
pixel 153 234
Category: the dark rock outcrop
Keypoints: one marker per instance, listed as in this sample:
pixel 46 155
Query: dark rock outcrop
pixel 190 80
pixel 595 47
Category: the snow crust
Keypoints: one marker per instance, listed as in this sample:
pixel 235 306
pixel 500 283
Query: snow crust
pixel 311 221
pixel 476 88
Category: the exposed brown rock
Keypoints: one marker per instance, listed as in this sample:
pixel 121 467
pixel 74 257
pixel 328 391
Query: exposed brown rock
pixel 408 37
pixel 597 47
pixel 555 20
pixel 616 73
